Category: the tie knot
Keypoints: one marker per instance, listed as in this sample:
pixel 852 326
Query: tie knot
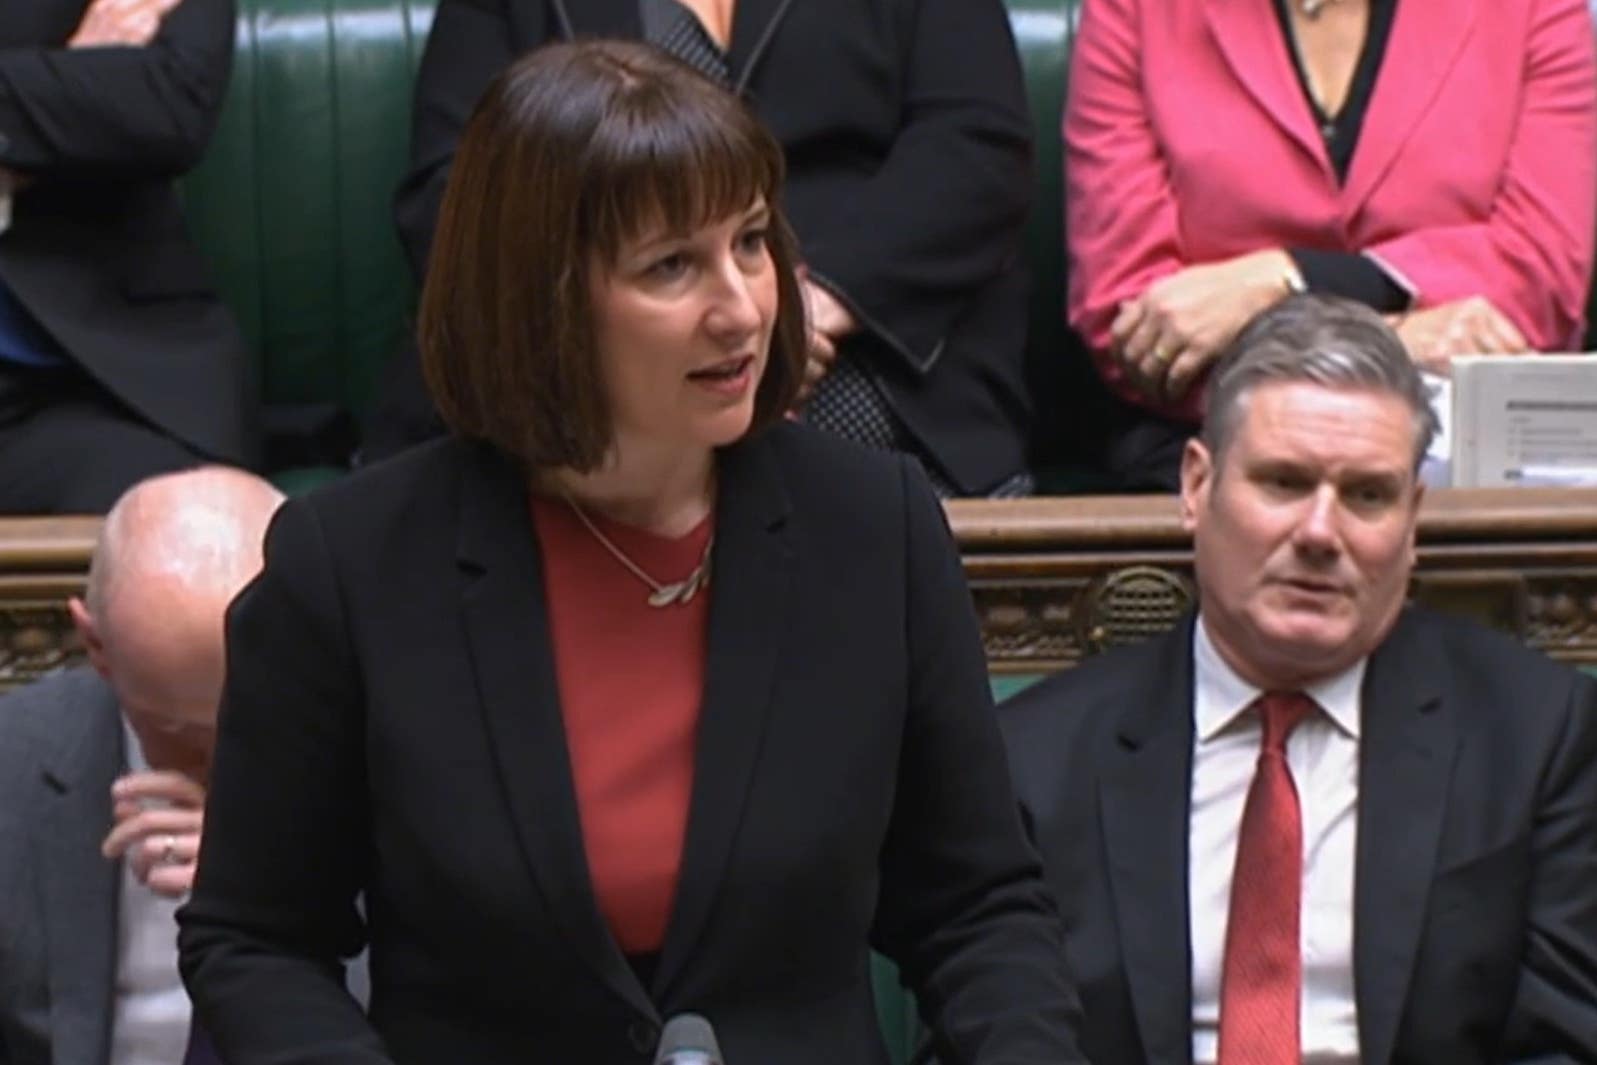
pixel 1281 712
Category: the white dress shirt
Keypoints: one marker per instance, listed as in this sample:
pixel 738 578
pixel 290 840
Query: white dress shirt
pixel 150 1021
pixel 1323 754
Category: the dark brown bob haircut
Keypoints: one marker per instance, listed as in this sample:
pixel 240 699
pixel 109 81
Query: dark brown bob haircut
pixel 572 152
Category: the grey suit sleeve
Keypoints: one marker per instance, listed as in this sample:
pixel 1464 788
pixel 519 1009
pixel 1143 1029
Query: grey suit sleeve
pixel 1555 1010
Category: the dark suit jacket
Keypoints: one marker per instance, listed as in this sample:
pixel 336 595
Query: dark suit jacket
pixel 1475 909
pixel 391 724
pixel 61 746
pixel 98 251
pixel 907 138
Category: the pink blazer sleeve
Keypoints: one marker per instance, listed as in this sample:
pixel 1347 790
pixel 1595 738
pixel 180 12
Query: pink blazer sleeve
pixel 1532 257
pixel 1120 208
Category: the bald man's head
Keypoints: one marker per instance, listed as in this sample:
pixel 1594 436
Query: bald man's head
pixel 172 553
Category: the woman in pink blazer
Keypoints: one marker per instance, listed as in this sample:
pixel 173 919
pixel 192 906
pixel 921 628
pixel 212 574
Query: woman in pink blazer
pixel 1435 160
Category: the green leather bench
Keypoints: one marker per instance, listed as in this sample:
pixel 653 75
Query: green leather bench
pixel 293 203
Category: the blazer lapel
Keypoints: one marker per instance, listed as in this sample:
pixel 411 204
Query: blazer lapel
pixel 1407 749
pixel 1145 801
pixel 507 630
pixel 751 595
pixel 1250 38
pixel 78 889
pixel 1425 44
pixel 754 24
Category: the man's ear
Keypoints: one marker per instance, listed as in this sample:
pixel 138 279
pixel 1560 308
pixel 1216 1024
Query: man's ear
pixel 1197 477
pixel 89 634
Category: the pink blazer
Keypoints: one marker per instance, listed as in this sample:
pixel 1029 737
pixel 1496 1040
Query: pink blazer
pixel 1188 140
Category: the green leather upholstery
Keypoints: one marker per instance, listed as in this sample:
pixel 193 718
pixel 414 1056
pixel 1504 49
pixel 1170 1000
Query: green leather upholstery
pixel 1043 32
pixel 895 1011
pixel 293 202
pixel 1072 406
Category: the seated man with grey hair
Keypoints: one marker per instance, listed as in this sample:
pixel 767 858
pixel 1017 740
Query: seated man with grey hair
pixel 102 779
pixel 1314 824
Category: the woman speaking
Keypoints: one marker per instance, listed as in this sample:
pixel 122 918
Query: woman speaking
pixel 629 698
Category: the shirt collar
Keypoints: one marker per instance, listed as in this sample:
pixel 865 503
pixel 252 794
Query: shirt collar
pixel 136 761
pixel 1220 695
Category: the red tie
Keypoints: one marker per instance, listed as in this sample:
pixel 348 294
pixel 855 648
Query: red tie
pixel 1262 978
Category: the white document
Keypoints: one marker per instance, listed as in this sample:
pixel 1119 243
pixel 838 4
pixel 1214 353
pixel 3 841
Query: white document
pixel 1524 419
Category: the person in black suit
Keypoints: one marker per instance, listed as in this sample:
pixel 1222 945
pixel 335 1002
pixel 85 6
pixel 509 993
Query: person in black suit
pixel 908 147
pixel 1400 868
pixel 117 360
pixel 631 697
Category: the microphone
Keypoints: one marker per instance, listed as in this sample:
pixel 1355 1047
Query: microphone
pixel 688 1039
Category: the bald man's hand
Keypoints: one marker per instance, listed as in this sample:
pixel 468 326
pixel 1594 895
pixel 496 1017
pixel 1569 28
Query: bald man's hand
pixel 158 818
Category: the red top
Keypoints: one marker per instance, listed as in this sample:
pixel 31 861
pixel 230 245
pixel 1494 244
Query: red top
pixel 630 677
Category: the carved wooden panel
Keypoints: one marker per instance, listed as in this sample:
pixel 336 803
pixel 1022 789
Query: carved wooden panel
pixel 1053 580
pixel 43 563
pixel 35 638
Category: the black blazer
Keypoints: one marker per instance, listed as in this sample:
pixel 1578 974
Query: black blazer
pixel 1475 901
pixel 908 147
pixel 390 726
pixel 98 251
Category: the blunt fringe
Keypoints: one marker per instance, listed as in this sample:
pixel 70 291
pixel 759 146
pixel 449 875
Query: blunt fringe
pixel 572 152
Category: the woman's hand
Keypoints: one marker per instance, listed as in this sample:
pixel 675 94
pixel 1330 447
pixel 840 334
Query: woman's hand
pixel 1469 326
pixel 829 321
pixel 1169 335
pixel 822 353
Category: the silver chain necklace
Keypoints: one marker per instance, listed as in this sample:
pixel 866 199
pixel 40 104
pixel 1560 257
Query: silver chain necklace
pixel 660 595
pixel 1311 8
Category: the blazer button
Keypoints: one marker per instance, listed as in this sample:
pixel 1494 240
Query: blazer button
pixel 644 1036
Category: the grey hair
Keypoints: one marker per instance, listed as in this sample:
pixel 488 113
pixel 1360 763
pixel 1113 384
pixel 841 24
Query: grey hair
pixel 1321 340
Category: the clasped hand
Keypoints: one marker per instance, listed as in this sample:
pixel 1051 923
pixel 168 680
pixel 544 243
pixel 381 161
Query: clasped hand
pixel 120 23
pixel 1471 326
pixel 157 817
pixel 829 322
pixel 1168 336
